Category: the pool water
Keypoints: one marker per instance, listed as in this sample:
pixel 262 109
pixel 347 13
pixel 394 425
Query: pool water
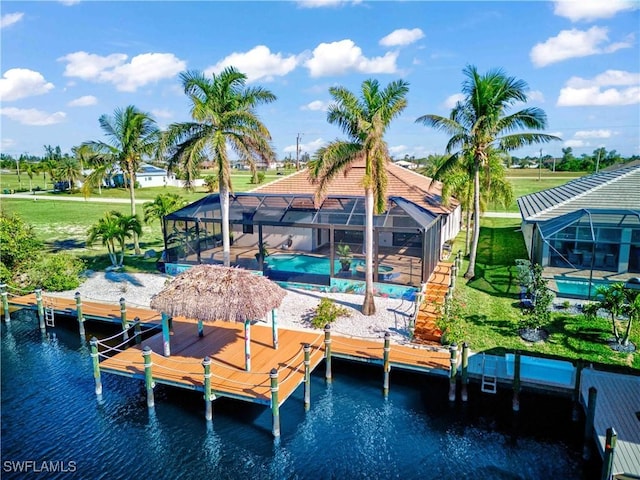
pixel 577 288
pixel 302 263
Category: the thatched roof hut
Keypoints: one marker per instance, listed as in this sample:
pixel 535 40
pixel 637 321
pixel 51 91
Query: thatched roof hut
pixel 214 292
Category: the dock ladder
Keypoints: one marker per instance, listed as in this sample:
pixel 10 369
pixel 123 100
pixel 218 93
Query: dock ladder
pixel 489 377
pixel 49 314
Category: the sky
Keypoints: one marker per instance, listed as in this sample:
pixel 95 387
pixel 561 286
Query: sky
pixel 66 63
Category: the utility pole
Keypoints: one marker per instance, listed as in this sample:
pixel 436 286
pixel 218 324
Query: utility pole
pixel 540 166
pixel 298 138
pixel 598 162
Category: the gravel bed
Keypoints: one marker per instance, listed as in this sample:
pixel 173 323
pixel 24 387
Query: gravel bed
pixel 296 310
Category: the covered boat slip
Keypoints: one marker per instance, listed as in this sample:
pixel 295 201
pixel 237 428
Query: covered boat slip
pixel 293 223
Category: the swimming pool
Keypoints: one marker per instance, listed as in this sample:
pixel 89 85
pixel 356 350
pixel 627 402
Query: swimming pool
pixel 577 287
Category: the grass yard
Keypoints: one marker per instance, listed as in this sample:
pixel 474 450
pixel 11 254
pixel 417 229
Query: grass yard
pixel 489 312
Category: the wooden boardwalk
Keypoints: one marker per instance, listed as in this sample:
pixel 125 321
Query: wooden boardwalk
pixel 617 406
pixel 435 290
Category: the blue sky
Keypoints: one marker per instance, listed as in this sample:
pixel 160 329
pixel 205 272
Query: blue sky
pixel 66 63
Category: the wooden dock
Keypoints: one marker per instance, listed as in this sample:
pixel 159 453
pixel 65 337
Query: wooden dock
pixel 430 310
pixel 617 406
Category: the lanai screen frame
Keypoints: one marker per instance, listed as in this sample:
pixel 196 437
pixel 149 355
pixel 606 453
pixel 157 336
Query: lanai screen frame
pixel 253 211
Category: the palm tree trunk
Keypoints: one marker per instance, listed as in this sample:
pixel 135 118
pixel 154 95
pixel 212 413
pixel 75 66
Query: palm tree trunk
pixel 471 270
pixel 467 237
pixel 615 328
pixel 368 306
pixel 625 339
pixel 224 207
pixel 132 197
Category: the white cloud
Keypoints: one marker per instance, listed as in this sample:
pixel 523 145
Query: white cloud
pixel 402 36
pixel 315 105
pixel 127 77
pixel 32 116
pixel 575 143
pixel 574 43
pixel 593 134
pixel 326 3
pixel 6 143
pixel 309 147
pixel 592 9
pixel 18 83
pixel 10 18
pixel 535 96
pixel 399 151
pixel 161 113
pixel 84 101
pixel 344 56
pixel 583 92
pixel 69 3
pixel 452 100
pixel 259 63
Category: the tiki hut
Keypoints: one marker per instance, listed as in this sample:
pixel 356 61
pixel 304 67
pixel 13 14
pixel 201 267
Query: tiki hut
pixel 212 292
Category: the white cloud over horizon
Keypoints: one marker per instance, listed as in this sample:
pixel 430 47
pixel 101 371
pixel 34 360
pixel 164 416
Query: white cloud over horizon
pixel 126 76
pixel 32 116
pixel 9 19
pixel 589 10
pixel 401 37
pixel 623 89
pixel 344 56
pixel 326 3
pixel 575 43
pixel 84 101
pixel 308 147
pixel 259 63
pixel 593 134
pixel 452 100
pixel 17 83
pixel 316 105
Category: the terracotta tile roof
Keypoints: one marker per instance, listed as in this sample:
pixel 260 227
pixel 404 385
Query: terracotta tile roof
pixel 401 183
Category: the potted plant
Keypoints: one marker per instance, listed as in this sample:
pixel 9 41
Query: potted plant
pixel 263 252
pixel 345 256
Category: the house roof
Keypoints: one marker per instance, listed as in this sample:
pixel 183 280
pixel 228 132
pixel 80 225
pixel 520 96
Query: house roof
pixel 402 183
pixel 608 190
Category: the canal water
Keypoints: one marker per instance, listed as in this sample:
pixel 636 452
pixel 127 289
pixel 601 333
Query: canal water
pixel 54 427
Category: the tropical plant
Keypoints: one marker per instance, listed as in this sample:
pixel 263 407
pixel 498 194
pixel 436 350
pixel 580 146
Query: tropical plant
pixel 344 255
pixel 327 312
pixel 364 120
pixel 131 134
pixel 223 114
pixel 541 297
pixel 479 126
pixel 632 310
pixel 53 272
pixel 163 204
pixel 211 183
pixel 613 299
pixel 113 229
pixel 31 169
pixel 69 171
pixel 18 244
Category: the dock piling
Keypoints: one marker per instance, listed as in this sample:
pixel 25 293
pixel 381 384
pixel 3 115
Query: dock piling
pixel 575 412
pixel 247 345
pixel 166 335
pixel 386 365
pixel 78 306
pixel 200 328
pixel 38 292
pixel 327 352
pixel 95 359
pixel 275 405
pixel 453 349
pixel 609 451
pixel 307 376
pixel 148 376
pixel 588 424
pixel 208 397
pixel 123 318
pixel 515 405
pixel 137 330
pixel 274 327
pixel 81 329
pixel 465 372
pixel 5 302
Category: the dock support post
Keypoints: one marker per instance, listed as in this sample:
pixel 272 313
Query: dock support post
pixel 459 259
pixel 137 330
pixel 5 302
pixel 78 306
pixel 453 349
pixel 516 383
pixel 386 366
pixel 609 451
pixel 327 352
pixel 81 330
pixel 274 327
pixel 38 292
pixel 148 376
pixel 275 404
pixel 307 376
pixel 575 412
pixel 588 424
pixel 465 372
pixel 95 359
pixel 123 318
pixel 247 345
pixel 200 328
pixel 166 335
pixel 208 397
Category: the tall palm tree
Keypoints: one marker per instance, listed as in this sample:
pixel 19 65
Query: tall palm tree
pixel 163 204
pixel 479 124
pixel 223 114
pixel 364 120
pixel 131 135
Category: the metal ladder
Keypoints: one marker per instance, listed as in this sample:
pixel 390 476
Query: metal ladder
pixel 489 379
pixel 49 314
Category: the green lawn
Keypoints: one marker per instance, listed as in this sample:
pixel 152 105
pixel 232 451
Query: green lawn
pixel 490 312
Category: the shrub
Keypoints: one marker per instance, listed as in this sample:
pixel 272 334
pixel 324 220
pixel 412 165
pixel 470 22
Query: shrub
pixel 55 273
pixel 539 315
pixel 451 321
pixel 18 243
pixel 327 312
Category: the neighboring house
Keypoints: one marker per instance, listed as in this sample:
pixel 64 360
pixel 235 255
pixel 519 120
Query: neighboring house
pixel 405 164
pixel 147 176
pixel 591 223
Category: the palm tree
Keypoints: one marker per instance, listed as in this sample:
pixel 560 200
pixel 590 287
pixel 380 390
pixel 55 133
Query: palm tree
pixel 131 135
pixel 31 169
pixel 164 204
pixel 223 113
pixel 631 310
pixel 479 125
pixel 364 120
pixel 113 229
pixel 69 170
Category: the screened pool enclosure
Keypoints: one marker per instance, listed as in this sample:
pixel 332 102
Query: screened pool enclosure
pixel 406 238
